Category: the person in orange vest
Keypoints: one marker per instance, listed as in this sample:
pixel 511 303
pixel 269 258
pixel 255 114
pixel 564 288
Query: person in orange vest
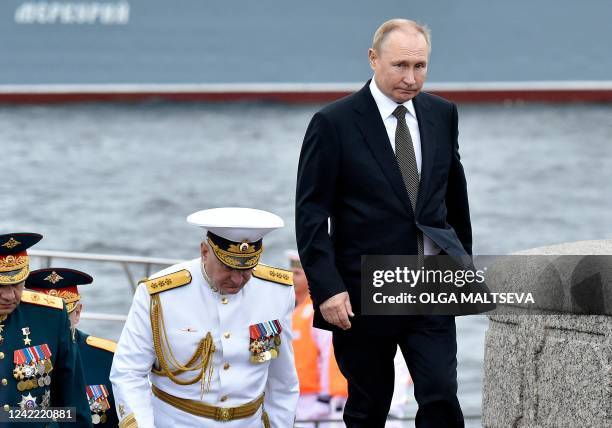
pixel 321 382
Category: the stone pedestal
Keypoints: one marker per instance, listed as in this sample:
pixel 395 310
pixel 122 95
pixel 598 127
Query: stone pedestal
pixel 553 370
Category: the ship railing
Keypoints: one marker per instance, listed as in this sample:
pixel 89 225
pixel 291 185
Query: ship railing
pixel 128 265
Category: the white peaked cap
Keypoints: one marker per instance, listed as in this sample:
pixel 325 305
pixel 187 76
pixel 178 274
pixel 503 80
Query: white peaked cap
pixel 237 224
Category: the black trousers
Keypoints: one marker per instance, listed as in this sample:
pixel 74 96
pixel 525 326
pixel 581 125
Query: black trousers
pixel 429 346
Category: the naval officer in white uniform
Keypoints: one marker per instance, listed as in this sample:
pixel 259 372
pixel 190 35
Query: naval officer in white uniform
pixel 207 342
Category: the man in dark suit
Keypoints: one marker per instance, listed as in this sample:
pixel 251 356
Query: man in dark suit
pixel 380 173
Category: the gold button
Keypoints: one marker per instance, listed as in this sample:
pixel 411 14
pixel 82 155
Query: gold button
pixel 226 366
pixel 1 355
pixel 224 300
pixel 224 398
pixel 4 382
pixel 226 335
pixel 6 407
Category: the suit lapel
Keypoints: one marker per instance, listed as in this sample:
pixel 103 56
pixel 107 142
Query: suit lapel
pixel 370 123
pixel 428 146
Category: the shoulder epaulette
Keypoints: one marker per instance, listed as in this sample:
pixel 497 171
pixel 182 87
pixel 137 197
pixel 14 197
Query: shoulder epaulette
pixel 98 342
pixel 42 299
pixel 168 282
pixel 273 274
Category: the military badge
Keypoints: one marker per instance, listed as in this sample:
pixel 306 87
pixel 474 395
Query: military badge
pixel 97 396
pixel 46 399
pixel 26 333
pixel 264 341
pixel 27 402
pixel 32 367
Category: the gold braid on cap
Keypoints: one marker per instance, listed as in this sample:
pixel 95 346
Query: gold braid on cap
pixel 235 259
pixel 11 262
pixel 69 298
pixel 14 277
pixel 200 361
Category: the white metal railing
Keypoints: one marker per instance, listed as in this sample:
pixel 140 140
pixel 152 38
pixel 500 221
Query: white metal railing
pixel 124 261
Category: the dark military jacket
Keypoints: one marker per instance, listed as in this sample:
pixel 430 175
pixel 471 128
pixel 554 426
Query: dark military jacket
pixel 97 358
pixel 39 364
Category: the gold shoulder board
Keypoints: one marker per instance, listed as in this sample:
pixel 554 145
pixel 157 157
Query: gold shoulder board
pixel 273 274
pixel 42 299
pixel 98 342
pixel 168 282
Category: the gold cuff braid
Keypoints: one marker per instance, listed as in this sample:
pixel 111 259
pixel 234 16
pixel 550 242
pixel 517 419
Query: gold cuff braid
pixel 129 422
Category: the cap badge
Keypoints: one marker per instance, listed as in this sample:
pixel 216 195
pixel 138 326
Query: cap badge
pixel 54 278
pixel 11 243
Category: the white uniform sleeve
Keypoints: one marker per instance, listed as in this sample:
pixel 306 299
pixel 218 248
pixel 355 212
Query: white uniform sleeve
pixel 132 363
pixel 282 389
pixel 323 339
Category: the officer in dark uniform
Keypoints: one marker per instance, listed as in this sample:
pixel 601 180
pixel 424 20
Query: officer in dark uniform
pixel 96 353
pixel 39 364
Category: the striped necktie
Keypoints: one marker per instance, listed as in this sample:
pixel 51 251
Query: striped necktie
pixel 406 159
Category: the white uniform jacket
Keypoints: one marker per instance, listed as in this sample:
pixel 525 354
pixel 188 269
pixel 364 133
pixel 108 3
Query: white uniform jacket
pixel 189 313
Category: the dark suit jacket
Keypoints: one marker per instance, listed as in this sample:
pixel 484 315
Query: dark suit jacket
pixel 348 173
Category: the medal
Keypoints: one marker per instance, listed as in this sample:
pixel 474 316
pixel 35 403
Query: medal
pixel 95 418
pixel 29 371
pixel 264 341
pixel 45 399
pixel 26 332
pixel 18 372
pixel 102 418
pixel 32 365
pixel 27 402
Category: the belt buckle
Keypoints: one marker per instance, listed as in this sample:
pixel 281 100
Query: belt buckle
pixel 224 414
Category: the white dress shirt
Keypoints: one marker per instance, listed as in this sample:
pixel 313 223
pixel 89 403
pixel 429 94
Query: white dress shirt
pixel 386 107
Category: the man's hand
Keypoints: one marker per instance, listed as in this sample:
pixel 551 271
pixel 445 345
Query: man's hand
pixel 337 309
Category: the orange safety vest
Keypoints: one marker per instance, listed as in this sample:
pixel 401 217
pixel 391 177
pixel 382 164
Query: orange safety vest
pixel 305 349
pixel 338 385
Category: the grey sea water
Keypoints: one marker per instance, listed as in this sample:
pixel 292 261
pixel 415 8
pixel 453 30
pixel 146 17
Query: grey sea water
pixel 121 179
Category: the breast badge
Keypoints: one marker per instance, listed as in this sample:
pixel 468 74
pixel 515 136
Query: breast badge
pixel 264 341
pixel 28 402
pixel 97 396
pixel 32 367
